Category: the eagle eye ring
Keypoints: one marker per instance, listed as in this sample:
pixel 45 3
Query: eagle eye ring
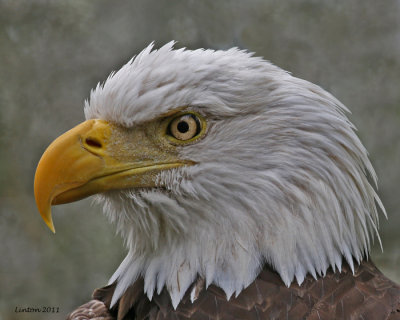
pixel 185 127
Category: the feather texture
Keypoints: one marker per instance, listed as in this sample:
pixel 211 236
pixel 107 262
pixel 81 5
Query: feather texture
pixel 280 170
pixel 365 295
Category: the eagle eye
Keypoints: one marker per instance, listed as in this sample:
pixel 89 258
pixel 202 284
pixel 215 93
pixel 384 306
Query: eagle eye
pixel 185 127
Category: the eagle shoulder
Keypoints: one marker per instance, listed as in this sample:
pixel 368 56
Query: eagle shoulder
pixel 367 294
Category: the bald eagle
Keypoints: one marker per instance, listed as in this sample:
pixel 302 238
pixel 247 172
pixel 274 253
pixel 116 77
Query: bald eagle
pixel 241 192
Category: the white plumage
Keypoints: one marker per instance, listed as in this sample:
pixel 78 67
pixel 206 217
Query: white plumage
pixel 281 176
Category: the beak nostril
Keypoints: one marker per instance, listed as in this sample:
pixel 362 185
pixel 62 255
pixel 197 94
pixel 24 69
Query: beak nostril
pixel 92 142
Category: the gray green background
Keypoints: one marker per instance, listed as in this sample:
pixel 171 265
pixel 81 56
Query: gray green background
pixel 53 52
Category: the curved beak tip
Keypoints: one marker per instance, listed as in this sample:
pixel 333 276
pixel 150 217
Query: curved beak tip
pixel 44 205
pixel 47 218
pixel 51 226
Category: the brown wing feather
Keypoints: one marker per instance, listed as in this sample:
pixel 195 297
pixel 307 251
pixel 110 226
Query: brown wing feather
pixel 366 295
pixel 94 310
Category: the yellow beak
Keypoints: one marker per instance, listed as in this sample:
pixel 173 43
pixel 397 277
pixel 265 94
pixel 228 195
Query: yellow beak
pixel 98 156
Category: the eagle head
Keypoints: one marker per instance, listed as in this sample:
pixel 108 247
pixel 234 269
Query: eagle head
pixel 211 164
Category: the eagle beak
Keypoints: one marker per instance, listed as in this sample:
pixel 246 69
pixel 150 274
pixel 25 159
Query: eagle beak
pixel 97 156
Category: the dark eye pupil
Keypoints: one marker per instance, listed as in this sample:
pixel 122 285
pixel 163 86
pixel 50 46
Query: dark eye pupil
pixel 183 127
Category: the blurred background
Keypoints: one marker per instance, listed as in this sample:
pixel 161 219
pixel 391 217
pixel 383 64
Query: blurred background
pixel 53 52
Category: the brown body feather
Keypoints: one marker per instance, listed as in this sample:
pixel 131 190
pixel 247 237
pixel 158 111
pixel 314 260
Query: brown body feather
pixel 366 295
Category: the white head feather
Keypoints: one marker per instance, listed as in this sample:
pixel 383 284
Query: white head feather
pixel 281 177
